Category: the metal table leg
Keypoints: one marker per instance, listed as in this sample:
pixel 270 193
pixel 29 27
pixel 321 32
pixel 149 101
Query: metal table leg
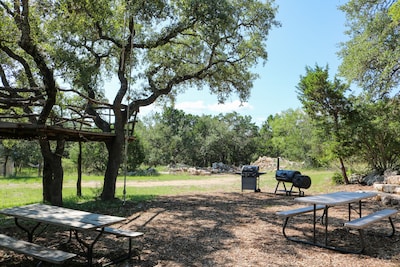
pixel 89 246
pixel 314 221
pixel 30 232
pixel 326 225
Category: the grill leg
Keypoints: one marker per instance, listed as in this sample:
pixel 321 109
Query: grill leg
pixel 284 186
pixel 276 188
pixel 301 193
pixel 289 193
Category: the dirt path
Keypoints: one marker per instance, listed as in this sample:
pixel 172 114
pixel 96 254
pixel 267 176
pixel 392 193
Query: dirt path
pixel 214 181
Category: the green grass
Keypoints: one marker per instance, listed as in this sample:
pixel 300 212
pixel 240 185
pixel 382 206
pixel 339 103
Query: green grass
pixel 71 178
pixel 15 191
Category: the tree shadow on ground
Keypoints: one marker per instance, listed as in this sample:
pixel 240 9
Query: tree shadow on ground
pixel 221 229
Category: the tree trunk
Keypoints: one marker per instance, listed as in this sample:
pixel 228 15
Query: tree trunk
pixel 47 180
pixel 57 185
pixel 5 166
pixel 39 169
pixel 344 174
pixel 114 149
pixel 53 173
pixel 79 182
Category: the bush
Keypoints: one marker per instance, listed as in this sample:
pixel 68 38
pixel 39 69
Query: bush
pixel 146 172
pixel 337 178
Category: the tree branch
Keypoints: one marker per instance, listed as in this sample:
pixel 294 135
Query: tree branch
pixel 30 47
pixel 167 37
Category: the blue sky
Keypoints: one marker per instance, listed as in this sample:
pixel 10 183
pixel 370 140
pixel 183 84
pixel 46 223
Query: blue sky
pixel 310 34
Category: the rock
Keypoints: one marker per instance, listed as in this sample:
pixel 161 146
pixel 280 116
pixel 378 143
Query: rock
pixel 386 200
pixel 390 172
pixel 356 179
pixel 372 178
pixel 193 171
pixel 388 188
pixel 393 179
pixel 220 167
pixel 270 164
pixel 378 187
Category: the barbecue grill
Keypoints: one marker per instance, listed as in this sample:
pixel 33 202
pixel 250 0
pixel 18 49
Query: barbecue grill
pixel 286 175
pixel 250 177
pixel 295 178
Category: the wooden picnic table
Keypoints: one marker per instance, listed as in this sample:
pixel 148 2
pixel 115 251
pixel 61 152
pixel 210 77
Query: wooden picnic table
pixel 79 222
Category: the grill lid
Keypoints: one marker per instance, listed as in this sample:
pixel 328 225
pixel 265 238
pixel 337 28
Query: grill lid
pixel 286 175
pixel 250 168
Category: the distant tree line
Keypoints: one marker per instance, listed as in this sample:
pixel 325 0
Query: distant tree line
pixel 367 132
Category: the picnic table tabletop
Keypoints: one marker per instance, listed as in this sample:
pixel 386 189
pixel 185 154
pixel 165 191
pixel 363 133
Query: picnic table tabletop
pixel 75 219
pixel 336 198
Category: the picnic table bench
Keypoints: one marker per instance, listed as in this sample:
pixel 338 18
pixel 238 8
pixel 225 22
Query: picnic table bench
pixel 293 212
pixel 122 233
pixel 361 223
pixel 41 253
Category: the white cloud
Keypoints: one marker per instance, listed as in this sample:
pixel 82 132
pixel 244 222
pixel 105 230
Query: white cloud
pixel 199 107
pixel 230 107
pixel 143 111
pixel 193 107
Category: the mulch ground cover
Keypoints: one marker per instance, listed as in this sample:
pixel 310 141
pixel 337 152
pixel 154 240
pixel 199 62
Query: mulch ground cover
pixel 224 229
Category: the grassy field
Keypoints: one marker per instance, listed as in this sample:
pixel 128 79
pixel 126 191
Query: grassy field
pixel 15 191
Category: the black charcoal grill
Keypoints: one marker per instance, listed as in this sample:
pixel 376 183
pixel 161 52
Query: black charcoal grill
pixel 295 178
pixel 250 177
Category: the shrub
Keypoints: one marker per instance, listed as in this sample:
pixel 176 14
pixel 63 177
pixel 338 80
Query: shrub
pixel 337 178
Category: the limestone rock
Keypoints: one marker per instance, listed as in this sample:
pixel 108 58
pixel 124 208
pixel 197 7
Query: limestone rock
pixel 393 179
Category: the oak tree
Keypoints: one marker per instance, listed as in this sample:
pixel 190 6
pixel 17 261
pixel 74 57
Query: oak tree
pixel 159 48
pixel 371 55
pixel 150 50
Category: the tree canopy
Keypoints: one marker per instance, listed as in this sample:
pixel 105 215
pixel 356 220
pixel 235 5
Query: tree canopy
pixel 150 48
pixel 371 55
pixel 325 102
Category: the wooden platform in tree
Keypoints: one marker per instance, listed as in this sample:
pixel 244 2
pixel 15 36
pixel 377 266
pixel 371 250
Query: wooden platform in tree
pixel 29 131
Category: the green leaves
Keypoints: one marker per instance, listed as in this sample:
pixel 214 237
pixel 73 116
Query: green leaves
pixel 371 55
pixel 325 102
pixel 176 137
pixel 320 97
pixel 160 47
